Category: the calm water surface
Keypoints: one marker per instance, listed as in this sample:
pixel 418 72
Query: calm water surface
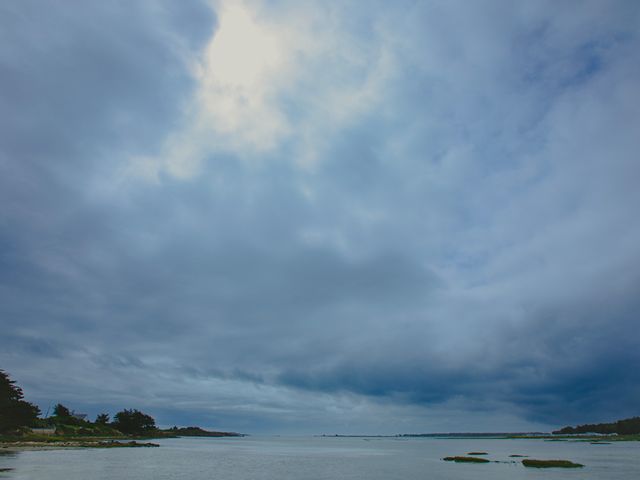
pixel 319 458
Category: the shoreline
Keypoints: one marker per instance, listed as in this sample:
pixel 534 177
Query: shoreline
pixel 30 445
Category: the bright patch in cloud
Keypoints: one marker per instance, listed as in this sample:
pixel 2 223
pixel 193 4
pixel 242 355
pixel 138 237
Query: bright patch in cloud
pixel 265 80
pixel 239 80
pixel 242 52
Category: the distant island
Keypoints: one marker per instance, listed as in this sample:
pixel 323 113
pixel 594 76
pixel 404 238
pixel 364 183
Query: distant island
pixel 445 435
pixel 199 432
pixel 473 434
pixel 626 429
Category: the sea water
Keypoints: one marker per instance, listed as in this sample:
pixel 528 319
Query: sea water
pixel 319 458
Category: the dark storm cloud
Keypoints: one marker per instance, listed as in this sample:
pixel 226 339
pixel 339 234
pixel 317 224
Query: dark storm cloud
pixel 110 62
pixel 549 370
pixel 455 233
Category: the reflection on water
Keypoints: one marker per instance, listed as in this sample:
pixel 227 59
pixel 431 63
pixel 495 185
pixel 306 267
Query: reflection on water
pixel 318 458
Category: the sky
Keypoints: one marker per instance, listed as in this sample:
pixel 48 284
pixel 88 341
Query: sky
pixel 323 217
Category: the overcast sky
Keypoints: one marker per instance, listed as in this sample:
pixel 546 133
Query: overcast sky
pixel 323 217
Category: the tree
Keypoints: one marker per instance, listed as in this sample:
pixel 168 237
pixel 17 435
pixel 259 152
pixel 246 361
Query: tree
pixel 14 411
pixel 102 419
pixel 61 411
pixel 133 422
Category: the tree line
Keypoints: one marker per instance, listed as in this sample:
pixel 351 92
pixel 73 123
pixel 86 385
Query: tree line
pixel 129 422
pixel 628 426
pixel 16 414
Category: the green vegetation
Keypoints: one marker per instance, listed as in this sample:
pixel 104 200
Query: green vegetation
pixel 466 459
pixel 115 444
pixel 61 411
pixel 65 423
pixel 15 412
pixel 477 453
pixel 628 426
pixel 21 427
pixel 134 422
pixel 18 417
pixel 102 419
pixel 57 441
pixel 529 462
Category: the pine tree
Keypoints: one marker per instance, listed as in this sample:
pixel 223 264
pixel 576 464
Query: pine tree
pixel 14 411
pixel 102 419
pixel 61 411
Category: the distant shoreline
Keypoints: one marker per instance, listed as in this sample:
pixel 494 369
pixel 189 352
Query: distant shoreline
pixel 502 436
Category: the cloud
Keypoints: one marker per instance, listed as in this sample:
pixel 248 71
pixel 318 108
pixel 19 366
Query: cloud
pixel 268 81
pixel 366 219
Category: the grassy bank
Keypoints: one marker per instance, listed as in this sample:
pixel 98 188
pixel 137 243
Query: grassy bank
pixel 35 441
pixel 73 437
pixel 75 444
